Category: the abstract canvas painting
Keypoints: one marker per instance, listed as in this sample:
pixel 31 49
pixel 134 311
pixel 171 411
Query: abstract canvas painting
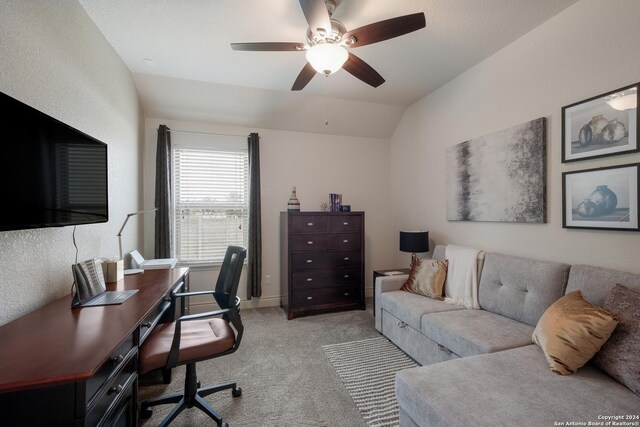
pixel 499 177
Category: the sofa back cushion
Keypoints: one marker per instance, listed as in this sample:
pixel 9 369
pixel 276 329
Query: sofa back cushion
pixel 520 288
pixel 596 283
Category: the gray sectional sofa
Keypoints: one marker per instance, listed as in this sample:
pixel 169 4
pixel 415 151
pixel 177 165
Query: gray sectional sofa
pixel 480 367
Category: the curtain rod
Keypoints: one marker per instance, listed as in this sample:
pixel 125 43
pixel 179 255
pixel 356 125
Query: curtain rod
pixel 207 133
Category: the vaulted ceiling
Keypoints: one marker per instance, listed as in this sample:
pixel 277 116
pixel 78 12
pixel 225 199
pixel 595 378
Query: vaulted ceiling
pixel 179 52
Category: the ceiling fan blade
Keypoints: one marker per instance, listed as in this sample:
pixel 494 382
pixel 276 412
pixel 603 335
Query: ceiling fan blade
pixel 385 30
pixel 363 71
pixel 268 46
pixel 304 77
pixel 316 14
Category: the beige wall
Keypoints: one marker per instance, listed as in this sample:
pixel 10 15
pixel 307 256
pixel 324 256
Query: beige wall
pixel 318 165
pixel 53 58
pixel 590 48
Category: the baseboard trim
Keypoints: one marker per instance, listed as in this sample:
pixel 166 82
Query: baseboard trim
pixel 244 304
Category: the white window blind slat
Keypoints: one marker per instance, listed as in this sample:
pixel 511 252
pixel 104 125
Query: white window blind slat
pixel 210 202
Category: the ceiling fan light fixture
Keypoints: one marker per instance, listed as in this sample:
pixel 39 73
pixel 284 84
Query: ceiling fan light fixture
pixel 327 58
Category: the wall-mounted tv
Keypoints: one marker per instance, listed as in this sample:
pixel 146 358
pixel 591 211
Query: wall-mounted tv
pixel 51 175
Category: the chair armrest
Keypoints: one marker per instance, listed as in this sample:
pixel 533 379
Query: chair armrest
pixel 202 315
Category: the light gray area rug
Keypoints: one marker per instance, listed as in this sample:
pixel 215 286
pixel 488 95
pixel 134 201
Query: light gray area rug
pixel 286 379
pixel 368 370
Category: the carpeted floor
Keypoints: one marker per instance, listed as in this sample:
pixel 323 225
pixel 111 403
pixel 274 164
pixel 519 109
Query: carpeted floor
pixel 286 379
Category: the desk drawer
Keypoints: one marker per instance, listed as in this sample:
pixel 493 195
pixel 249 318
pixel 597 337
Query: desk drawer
pixel 108 368
pixel 120 387
pixel 147 325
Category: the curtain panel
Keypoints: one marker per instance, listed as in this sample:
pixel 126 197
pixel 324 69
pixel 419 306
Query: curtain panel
pixel 254 252
pixel 163 194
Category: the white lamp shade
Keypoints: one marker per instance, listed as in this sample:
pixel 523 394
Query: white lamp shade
pixel 327 58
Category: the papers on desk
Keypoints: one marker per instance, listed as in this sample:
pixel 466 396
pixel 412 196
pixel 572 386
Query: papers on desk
pixel 138 261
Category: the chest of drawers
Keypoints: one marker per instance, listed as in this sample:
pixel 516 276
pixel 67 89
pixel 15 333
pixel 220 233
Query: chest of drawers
pixel 322 262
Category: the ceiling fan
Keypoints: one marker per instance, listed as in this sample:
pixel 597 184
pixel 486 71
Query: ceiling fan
pixel 328 40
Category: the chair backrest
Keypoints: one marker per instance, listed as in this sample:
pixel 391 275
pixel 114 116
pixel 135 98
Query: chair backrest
pixel 229 277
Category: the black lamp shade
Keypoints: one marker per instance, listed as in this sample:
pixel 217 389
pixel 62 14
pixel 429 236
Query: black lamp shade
pixel 414 241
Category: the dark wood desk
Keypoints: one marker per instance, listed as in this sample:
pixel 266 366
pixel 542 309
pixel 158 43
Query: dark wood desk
pixel 64 366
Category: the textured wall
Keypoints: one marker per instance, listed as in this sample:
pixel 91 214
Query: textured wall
pixel 588 49
pixel 53 58
pixel 318 165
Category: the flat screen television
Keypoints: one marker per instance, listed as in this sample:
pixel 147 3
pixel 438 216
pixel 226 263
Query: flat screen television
pixel 51 175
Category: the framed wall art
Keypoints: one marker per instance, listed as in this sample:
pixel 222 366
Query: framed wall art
pixel 499 177
pixel 602 199
pixel 605 125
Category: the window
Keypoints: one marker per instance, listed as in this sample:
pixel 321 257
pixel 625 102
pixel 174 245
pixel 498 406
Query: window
pixel 211 198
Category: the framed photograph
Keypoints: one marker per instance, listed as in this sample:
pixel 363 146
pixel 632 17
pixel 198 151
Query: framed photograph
pixel 605 125
pixel 601 199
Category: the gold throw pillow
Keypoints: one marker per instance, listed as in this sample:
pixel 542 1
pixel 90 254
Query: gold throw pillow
pixel 571 331
pixel 427 278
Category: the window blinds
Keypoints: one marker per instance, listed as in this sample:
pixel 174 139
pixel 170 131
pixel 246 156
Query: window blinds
pixel 210 202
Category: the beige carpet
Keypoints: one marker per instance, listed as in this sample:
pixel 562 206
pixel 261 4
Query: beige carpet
pixel 281 367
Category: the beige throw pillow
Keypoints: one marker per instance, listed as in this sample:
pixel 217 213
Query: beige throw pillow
pixel 571 331
pixel 427 278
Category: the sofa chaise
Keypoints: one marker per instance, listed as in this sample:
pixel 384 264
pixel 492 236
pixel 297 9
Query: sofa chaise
pixel 480 367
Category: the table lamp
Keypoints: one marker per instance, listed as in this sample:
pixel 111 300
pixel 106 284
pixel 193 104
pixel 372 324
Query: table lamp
pixel 414 242
pixel 130 271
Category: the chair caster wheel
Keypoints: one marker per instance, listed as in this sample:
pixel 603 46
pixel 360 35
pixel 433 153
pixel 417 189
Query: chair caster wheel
pixel 236 392
pixel 146 413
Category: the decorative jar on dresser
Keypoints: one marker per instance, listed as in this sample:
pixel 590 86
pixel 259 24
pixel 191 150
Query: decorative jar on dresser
pixel 321 262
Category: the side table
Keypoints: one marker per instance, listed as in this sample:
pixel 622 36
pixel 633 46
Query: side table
pixel 378 273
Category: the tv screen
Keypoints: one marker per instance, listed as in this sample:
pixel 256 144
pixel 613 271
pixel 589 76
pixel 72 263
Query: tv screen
pixel 51 175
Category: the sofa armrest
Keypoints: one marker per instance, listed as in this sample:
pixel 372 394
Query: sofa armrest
pixel 385 284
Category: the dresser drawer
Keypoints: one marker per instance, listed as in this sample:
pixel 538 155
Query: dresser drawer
pixel 343 242
pixel 308 223
pixel 118 388
pixel 108 368
pixel 345 224
pixel 312 260
pixel 309 242
pixel 315 297
pixel 324 278
pixel 346 259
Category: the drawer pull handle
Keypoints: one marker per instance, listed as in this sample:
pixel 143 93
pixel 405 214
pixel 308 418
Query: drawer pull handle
pixel 401 324
pixel 309 279
pixel 146 325
pixel 310 224
pixel 117 389
pixel 310 242
pixel 117 359
pixel 345 223
pixel 309 261
pixel 309 297
pixel 346 258
pixel 346 276
pixel 345 241
pixel 346 294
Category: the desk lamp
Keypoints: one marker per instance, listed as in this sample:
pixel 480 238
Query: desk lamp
pixel 414 242
pixel 132 270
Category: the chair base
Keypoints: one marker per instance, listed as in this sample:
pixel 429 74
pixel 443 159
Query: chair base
pixel 190 397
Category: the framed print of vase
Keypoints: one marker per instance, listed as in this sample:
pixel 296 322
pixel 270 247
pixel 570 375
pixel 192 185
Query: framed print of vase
pixel 601 199
pixel 605 125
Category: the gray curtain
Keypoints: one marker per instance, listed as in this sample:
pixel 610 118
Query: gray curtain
pixel 163 193
pixel 254 258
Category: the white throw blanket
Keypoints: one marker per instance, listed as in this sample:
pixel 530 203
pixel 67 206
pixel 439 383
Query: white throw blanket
pixel 461 287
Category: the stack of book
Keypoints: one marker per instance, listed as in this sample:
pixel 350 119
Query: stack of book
pixel 335 201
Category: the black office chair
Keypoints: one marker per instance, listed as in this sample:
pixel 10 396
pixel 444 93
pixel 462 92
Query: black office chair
pixel 190 339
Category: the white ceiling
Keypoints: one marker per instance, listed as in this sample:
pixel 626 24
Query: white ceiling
pixel 188 40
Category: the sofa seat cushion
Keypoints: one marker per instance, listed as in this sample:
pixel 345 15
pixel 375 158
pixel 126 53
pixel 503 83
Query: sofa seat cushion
pixel 410 307
pixel 471 332
pixel 513 387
